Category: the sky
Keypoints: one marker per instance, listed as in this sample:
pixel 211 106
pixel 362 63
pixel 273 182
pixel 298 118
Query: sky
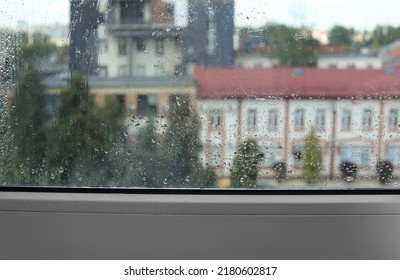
pixel 317 14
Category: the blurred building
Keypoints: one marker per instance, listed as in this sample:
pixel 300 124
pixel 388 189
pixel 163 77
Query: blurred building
pixel 343 58
pixel 390 54
pixel 140 39
pixel 355 114
pixel 209 36
pixel 83 50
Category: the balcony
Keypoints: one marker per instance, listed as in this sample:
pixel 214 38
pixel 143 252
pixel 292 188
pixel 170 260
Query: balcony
pixel 129 14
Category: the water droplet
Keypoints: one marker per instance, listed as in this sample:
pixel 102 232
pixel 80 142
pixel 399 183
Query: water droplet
pixel 52 176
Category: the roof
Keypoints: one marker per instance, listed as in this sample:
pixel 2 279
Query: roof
pixel 296 83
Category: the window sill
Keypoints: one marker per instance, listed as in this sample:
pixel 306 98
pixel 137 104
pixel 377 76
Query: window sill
pixel 44 225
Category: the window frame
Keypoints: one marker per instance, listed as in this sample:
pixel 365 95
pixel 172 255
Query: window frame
pixel 299 121
pixel 251 118
pixel 367 117
pixel 345 120
pixel 393 120
pixel 272 119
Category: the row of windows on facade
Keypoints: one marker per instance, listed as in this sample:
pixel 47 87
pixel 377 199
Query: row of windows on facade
pixel 351 66
pixel 158 70
pixel 141 46
pixel 346 119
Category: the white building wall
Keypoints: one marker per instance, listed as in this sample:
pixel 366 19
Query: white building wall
pixel 219 141
pixel 157 65
pixel 270 139
pixel 356 143
pixel 144 63
pixel 297 135
pixel 255 60
pixel 357 135
pixel 391 134
pixel 343 62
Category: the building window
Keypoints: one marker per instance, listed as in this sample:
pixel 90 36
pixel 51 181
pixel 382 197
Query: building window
pixel 215 118
pixel 251 118
pixel 320 119
pixel 367 119
pixel 346 119
pixel 268 154
pixel 393 119
pixel 141 70
pixel 141 45
pixel 159 70
pixel 393 154
pixel 355 154
pixel 122 71
pixel 103 71
pixel 103 46
pixel 299 119
pixel 272 119
pixel 147 105
pixel 50 105
pixel 131 12
pixel 159 46
pixel 170 10
pixel 122 48
pixel 351 66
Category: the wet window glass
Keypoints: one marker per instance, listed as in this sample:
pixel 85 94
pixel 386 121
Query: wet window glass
pixel 200 93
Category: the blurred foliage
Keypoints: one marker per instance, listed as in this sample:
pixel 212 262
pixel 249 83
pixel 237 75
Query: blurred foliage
pixel 245 165
pixel 170 160
pixel 181 146
pixel 146 168
pixel 85 142
pixel 293 47
pixel 209 177
pixel 312 159
pixel 341 36
pixel 27 126
pixel 39 47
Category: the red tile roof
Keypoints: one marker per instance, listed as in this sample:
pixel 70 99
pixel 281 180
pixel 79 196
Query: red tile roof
pixel 283 82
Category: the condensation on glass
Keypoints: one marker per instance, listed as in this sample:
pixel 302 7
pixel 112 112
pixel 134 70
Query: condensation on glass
pixel 200 93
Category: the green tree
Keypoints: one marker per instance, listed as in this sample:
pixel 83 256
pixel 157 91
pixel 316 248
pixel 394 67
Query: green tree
pixel 146 167
pixel 39 48
pixel 181 146
pixel 113 132
pixel 83 144
pixel 293 47
pixel 209 177
pixel 341 36
pixel 7 166
pixel 312 158
pixel 383 35
pixel 245 165
pixel 27 126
